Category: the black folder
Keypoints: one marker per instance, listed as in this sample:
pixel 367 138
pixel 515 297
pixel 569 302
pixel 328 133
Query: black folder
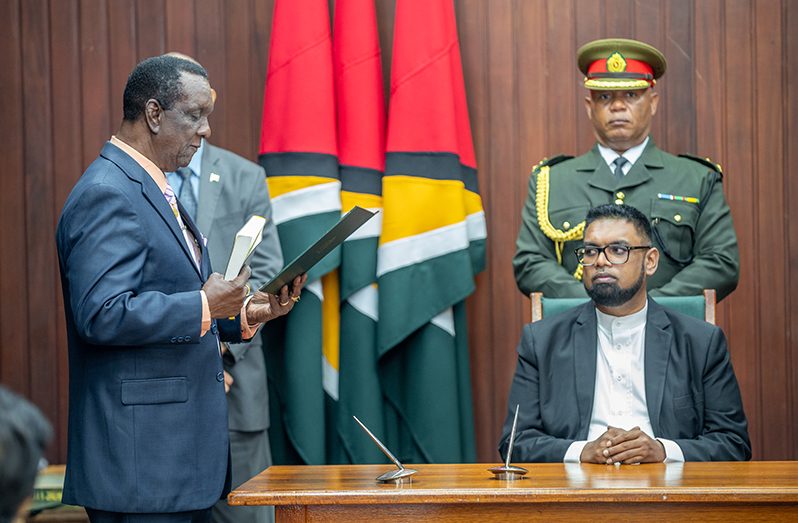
pixel 349 223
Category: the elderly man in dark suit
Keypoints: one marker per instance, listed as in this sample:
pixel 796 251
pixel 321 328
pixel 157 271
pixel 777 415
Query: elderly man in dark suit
pixel 621 379
pixel 148 436
pixel 221 191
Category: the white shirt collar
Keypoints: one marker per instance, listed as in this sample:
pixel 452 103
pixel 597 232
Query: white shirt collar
pixel 635 320
pixel 632 155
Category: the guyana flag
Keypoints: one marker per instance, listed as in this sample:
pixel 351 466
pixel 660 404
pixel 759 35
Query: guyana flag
pixel 432 241
pixel 361 153
pixel 298 149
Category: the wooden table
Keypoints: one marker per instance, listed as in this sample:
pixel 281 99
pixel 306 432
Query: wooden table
pixel 51 480
pixel 695 491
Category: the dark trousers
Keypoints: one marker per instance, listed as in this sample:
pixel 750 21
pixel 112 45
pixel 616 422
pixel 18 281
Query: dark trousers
pixel 250 456
pixel 194 516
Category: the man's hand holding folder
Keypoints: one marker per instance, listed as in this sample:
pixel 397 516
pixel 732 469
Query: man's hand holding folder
pixel 266 306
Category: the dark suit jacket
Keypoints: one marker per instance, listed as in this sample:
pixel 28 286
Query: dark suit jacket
pixel 691 391
pixel 147 409
pixel 237 192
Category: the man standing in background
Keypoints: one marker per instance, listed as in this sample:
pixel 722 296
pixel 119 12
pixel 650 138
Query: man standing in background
pixel 222 191
pixel 681 196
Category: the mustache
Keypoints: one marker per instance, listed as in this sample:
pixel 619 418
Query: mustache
pixel 603 275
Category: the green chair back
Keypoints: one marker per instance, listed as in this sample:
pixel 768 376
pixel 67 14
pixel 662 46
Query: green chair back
pixel 701 307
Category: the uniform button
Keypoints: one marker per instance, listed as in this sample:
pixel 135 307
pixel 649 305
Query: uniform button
pixel 619 378
pixel 677 217
pixel 618 347
pixel 188 339
pixel 214 329
pixel 566 225
pixel 173 340
pixel 620 195
pixel 180 339
pixel 618 202
pixel 220 377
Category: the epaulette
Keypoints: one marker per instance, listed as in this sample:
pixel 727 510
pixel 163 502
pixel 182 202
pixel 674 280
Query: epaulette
pixel 704 161
pixel 549 162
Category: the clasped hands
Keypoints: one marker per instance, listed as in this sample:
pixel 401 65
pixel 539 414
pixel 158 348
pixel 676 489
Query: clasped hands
pixel 226 298
pixel 623 446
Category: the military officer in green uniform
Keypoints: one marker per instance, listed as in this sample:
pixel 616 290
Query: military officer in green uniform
pixel 681 195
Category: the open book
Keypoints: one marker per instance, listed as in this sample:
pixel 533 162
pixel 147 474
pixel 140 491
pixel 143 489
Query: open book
pixel 247 238
pixel 348 224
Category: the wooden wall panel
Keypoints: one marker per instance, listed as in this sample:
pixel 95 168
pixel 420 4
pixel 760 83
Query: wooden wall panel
pixel 530 28
pixel 261 33
pixel 561 93
pixel 501 151
pixel 121 57
pixel 102 109
pixel 40 216
pixel 472 19
pixel 731 93
pixel 709 94
pixel 14 364
pixel 741 168
pixel 65 61
pixel 791 166
pixel 179 34
pixel 151 27
pixel 677 102
pixel 650 25
pixel 769 218
pixel 589 26
pixel 239 26
pixel 212 53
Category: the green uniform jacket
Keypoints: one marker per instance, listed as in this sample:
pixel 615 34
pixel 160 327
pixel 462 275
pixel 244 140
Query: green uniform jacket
pixel 697 242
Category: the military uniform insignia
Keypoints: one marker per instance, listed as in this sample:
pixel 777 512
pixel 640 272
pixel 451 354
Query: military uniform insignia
pixel 616 63
pixel 542 172
pixel 550 162
pixel 688 199
pixel 704 161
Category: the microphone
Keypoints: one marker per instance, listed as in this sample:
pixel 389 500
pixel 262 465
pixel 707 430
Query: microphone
pixel 510 472
pixel 400 475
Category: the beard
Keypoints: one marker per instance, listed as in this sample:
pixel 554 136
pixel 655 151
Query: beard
pixel 612 294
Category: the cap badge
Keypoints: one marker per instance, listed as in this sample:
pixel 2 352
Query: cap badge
pixel 616 63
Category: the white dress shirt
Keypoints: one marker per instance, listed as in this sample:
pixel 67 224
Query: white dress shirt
pixel 631 155
pixel 619 398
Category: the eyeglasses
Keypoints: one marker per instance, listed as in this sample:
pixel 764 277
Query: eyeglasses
pixel 615 253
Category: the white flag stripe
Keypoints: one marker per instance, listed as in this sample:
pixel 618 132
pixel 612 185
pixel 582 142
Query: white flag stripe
pixel 421 247
pixel 366 301
pixel 477 228
pixel 329 378
pixel 370 229
pixel 308 201
pixel 445 321
pixel 315 288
